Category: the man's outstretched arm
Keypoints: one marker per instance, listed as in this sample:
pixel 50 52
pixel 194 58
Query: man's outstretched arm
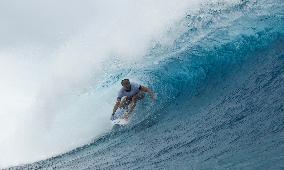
pixel 115 107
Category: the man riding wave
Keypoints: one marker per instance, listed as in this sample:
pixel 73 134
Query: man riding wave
pixel 132 92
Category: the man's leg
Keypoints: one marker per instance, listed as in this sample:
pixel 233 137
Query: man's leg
pixel 134 100
pixel 125 102
pixel 140 95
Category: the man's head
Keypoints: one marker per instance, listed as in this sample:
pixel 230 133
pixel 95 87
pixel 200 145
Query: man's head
pixel 126 84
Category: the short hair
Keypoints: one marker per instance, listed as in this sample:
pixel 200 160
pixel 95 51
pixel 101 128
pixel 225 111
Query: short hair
pixel 122 81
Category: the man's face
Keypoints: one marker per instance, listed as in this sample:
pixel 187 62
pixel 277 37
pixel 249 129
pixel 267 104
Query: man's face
pixel 126 85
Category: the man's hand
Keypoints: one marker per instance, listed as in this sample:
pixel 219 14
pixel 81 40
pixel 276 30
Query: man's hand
pixel 111 118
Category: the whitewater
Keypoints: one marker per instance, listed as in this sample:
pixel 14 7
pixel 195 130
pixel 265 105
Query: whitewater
pixel 217 68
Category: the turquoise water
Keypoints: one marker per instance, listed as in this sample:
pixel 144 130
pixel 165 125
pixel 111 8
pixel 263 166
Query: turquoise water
pixel 220 98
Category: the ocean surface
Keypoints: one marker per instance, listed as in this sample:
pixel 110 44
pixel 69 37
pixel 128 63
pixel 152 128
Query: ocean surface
pixel 220 91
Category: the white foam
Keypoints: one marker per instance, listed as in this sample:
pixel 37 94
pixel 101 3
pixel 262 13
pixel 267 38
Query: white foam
pixel 50 73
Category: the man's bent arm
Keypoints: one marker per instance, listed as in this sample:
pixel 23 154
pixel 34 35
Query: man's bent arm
pixel 145 89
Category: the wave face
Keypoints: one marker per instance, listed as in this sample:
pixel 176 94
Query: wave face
pixel 220 97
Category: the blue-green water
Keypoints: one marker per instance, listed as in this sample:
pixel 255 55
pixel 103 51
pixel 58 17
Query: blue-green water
pixel 220 90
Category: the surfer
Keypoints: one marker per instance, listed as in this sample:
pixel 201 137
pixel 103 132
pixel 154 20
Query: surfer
pixel 132 92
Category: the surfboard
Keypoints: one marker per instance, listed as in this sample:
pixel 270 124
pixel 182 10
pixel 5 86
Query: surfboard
pixel 118 117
